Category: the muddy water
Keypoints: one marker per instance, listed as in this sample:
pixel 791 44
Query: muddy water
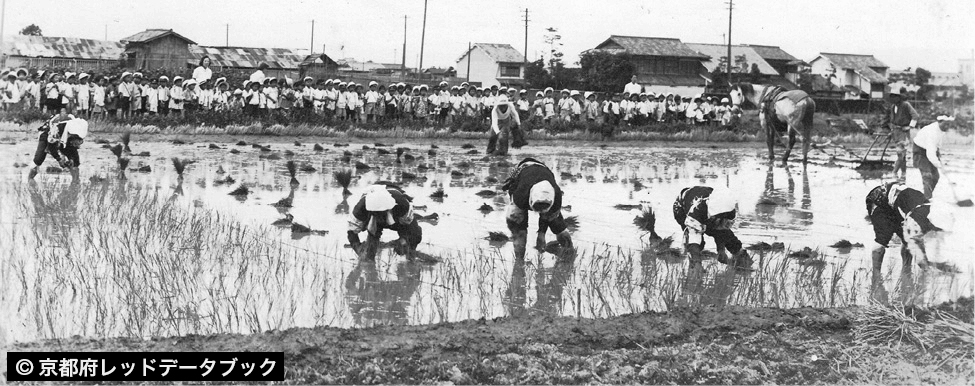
pixel 324 284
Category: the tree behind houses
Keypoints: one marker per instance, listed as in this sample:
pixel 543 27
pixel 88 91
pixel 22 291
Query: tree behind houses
pixel 604 71
pixel 31 30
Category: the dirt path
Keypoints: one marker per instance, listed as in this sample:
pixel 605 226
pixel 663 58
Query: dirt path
pixel 735 345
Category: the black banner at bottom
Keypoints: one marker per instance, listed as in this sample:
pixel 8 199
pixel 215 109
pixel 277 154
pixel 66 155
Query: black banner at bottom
pixel 145 366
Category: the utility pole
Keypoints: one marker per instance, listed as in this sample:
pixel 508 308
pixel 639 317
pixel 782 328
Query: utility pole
pixel 312 48
pixel 423 36
pixel 226 42
pixel 106 31
pixel 526 35
pixel 469 62
pixel 730 7
pixel 3 15
pixel 403 69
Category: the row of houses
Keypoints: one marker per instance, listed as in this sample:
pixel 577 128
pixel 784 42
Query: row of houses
pixel 661 64
pixel 165 49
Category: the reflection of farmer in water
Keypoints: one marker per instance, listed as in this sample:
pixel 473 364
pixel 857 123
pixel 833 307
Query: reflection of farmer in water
pixel 532 187
pixel 373 301
pixel 50 214
pixel 895 209
pixel 384 207
pixel 702 210
pixel 61 136
pixel 549 292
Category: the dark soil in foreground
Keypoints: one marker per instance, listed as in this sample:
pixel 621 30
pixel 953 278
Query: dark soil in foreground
pixel 735 345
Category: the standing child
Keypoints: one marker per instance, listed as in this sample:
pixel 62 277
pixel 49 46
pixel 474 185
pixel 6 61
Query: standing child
pixel 371 101
pixel 176 96
pixel 112 97
pixel 151 93
pixel 67 87
pixel 341 102
pixel 162 90
pixel 98 99
pixel 190 96
pixel 351 100
pixel 549 102
pixel 592 107
pixel 124 96
pixel 135 94
pixel 83 92
pixel 420 106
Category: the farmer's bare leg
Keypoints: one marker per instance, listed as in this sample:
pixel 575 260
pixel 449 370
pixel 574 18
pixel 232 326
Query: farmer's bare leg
pixel 877 290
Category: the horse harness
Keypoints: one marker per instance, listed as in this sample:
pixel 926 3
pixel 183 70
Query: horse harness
pixel 767 108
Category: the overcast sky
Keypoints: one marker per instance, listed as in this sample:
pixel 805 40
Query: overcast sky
pixel 902 33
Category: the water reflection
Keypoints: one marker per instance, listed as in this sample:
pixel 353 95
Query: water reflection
pixel 374 301
pixel 777 206
pixel 550 286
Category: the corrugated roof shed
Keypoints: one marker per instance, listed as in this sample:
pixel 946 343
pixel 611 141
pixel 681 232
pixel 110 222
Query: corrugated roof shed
pixel 717 51
pixel 248 57
pixel 57 47
pixel 153 34
pixel 500 53
pixel 648 46
pixel 772 52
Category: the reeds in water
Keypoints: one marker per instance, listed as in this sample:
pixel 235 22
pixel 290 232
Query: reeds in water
pixel 344 178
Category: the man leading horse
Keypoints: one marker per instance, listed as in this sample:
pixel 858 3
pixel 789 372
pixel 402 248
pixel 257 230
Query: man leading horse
pixel 780 111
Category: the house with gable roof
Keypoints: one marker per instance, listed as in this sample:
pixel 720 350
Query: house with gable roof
pixel 492 64
pixel 860 75
pixel 663 65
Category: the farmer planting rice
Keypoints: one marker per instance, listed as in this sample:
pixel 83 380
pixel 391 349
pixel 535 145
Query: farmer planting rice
pixel 532 187
pixel 504 122
pixel 61 136
pixel 895 209
pixel 702 210
pixel 384 207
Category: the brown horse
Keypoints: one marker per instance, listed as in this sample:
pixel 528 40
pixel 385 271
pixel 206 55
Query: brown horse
pixel 780 111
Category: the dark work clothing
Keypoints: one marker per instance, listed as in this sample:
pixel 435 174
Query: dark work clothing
pixel 529 172
pixel 888 218
pixel 55 149
pixel 929 173
pixel 692 204
pixel 900 114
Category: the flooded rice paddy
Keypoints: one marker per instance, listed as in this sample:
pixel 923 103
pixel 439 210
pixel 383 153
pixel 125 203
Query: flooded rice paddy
pixel 156 255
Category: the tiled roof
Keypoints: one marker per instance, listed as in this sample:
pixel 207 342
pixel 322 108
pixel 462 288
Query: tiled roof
pixel 153 34
pixel 636 45
pixel 500 53
pixel 248 57
pixel 56 47
pixel 772 52
pixel 671 80
pixel 859 63
pixel 717 51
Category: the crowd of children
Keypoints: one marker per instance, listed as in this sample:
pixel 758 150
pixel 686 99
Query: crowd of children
pixel 132 94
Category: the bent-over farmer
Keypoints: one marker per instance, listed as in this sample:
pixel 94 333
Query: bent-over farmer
pixel 702 210
pixel 895 209
pixel 532 187
pixel 384 207
pixel 927 152
pixel 61 137
pixel 504 122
